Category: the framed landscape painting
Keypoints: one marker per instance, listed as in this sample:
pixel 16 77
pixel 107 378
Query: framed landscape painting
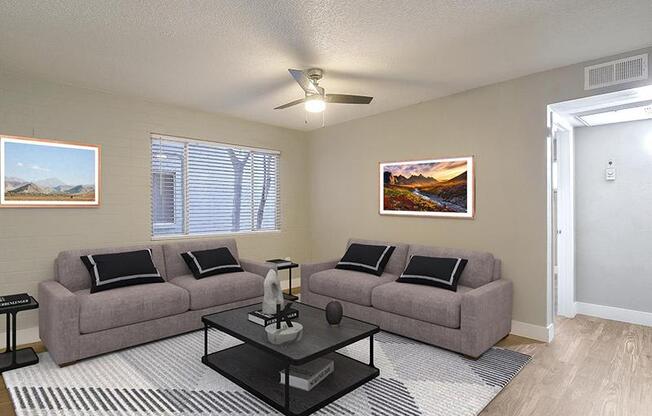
pixel 48 173
pixel 434 188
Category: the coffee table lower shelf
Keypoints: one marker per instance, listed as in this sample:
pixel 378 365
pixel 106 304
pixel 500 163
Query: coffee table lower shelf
pixel 258 372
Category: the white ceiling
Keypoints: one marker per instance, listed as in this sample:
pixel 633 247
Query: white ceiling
pixel 232 56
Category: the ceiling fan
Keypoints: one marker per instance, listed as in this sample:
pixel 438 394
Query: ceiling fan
pixel 315 99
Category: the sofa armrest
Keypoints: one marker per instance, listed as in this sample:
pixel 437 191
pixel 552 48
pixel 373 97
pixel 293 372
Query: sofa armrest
pixel 486 316
pixel 309 269
pixel 256 267
pixel 59 321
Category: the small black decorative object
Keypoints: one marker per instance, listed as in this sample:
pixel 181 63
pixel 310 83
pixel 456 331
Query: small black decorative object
pixel 334 312
pixel 282 315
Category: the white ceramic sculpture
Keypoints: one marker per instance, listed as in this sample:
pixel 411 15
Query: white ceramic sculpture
pixel 285 334
pixel 272 295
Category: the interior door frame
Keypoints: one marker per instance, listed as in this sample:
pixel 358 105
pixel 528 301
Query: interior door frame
pixel 559 113
pixel 562 134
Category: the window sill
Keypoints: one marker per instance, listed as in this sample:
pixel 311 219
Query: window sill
pixel 206 235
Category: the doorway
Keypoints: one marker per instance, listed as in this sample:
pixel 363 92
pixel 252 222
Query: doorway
pixel 564 119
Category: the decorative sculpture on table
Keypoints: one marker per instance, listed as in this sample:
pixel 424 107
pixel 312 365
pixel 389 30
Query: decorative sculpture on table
pixel 334 312
pixel 284 330
pixel 272 295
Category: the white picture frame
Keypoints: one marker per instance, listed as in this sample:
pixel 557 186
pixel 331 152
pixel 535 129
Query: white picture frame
pixel 43 173
pixel 428 188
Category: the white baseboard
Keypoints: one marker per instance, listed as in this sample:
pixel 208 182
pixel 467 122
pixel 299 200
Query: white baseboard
pixel 614 314
pixel 23 336
pixel 537 332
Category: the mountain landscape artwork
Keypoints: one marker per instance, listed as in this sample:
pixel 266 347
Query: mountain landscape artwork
pixel 438 187
pixel 37 172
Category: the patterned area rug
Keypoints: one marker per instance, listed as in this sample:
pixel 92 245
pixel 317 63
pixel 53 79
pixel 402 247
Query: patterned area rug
pixel 168 378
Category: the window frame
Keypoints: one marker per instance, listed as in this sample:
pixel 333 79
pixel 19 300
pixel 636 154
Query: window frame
pixel 165 172
pixel 156 137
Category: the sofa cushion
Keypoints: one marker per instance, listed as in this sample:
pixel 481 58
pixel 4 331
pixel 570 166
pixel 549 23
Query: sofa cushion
pixel 220 289
pixel 397 260
pixel 479 269
pixel 204 263
pixel 425 303
pixel 174 263
pixel 443 272
pixel 113 270
pixel 366 258
pixel 347 285
pixel 71 272
pixel 129 305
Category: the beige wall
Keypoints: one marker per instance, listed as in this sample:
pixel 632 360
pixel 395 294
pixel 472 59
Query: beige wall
pixel 31 238
pixel 328 177
pixel 503 126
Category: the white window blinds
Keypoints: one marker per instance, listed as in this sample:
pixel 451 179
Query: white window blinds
pixel 210 188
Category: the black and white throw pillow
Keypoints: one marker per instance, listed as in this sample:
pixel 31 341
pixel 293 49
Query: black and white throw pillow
pixel 366 258
pixel 110 271
pixel 206 263
pixel 440 272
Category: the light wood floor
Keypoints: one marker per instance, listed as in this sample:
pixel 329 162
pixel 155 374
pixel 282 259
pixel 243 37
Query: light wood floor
pixel 593 367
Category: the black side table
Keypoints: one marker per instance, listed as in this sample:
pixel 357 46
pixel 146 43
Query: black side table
pixel 13 358
pixel 289 296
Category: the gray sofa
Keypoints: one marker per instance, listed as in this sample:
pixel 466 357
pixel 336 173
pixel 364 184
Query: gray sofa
pixel 75 324
pixel 468 321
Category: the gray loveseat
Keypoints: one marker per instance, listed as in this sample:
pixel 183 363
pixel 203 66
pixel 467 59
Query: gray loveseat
pixel 75 324
pixel 468 321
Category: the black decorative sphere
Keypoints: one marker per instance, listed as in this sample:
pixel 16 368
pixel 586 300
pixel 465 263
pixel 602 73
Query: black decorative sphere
pixel 334 312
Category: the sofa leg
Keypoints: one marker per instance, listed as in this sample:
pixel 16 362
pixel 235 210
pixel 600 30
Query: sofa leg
pixel 67 364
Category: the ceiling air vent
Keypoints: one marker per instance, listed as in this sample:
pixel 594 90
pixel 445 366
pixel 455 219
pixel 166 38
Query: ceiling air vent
pixel 616 72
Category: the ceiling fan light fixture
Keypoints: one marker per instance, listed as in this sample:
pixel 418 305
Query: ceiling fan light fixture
pixel 315 104
pixel 315 97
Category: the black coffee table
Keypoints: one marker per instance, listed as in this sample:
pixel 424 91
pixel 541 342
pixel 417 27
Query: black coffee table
pixel 255 365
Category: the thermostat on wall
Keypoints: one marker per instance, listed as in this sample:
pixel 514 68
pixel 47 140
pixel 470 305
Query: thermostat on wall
pixel 610 171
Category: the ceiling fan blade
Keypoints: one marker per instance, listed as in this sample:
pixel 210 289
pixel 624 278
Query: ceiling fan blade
pixel 290 104
pixel 347 99
pixel 303 81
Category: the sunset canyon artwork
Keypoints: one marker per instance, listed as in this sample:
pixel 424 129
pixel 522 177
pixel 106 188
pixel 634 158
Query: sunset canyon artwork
pixel 438 187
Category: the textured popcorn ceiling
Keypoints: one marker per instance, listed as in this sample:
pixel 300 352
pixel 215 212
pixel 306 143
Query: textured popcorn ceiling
pixel 232 56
